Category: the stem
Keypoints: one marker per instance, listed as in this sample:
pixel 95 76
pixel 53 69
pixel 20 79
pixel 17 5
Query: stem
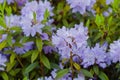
pixel 41 67
pixel 19 61
pixel 71 65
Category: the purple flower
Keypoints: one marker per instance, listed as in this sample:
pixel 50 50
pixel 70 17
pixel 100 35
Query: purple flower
pixel 48 49
pixel 8 1
pixel 26 47
pixel 109 1
pixel 44 36
pixel 32 30
pixel 21 2
pixel 115 51
pixel 3 60
pixel 32 16
pixel 3 37
pixel 81 5
pixel 70 40
pixel 108 12
pixel 95 55
pixel 12 20
pixel 80 77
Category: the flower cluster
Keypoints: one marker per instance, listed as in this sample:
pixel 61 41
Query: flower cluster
pixel 33 15
pixel 81 5
pixel 69 41
pixel 74 41
pixel 115 51
pixel 95 55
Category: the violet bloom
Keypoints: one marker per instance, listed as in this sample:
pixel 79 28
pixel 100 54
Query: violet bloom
pixel 32 16
pixel 3 60
pixel 21 2
pixel 44 36
pixel 115 51
pixel 81 5
pixel 95 55
pixel 108 12
pixel 12 21
pixel 26 47
pixel 70 40
pixel 8 1
pixel 80 77
pixel 109 1
pixel 48 49
pixel 3 37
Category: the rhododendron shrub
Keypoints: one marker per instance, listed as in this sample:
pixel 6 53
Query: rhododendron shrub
pixel 59 40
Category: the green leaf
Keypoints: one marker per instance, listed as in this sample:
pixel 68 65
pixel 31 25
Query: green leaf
pixel 77 66
pixel 12 57
pixel 45 61
pixel 96 70
pixel 117 65
pixel 9 39
pixel 99 20
pixel 110 21
pixel 27 54
pixel 34 56
pixel 25 78
pixel 16 28
pixel 87 73
pixel 2 23
pixel 31 67
pixel 88 23
pixel 46 14
pixel 4 4
pixel 60 6
pixel 115 5
pixel 34 16
pixel 4 76
pixel 2 44
pixel 8 10
pixel 97 37
pixel 61 73
pixel 103 76
pixel 13 72
pixel 65 23
pixel 10 66
pixel 39 44
pixel 54 66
